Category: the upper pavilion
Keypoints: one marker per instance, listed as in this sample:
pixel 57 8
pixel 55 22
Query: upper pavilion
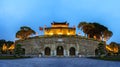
pixel 60 28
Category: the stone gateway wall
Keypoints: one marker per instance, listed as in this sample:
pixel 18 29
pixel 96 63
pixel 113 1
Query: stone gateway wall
pixel 59 46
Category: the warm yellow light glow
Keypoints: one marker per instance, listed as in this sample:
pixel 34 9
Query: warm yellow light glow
pixel 4 48
pixel 68 33
pixel 114 49
pixel 95 37
pixel 60 29
pixel 59 33
pixel 108 48
pixel 59 25
pixel 51 33
pixel 12 47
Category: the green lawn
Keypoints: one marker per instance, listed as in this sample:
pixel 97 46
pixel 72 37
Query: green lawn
pixel 109 58
pixel 12 57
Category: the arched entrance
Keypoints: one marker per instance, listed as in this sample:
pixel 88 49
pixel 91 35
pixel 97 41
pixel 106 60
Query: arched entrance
pixel 96 52
pixel 47 51
pixel 23 51
pixel 60 51
pixel 72 51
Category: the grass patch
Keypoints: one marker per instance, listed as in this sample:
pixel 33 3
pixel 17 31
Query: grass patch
pixel 107 58
pixel 13 57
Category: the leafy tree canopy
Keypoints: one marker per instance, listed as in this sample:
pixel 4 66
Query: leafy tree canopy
pixel 24 32
pixel 95 30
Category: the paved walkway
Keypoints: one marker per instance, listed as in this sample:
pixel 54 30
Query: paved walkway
pixel 58 62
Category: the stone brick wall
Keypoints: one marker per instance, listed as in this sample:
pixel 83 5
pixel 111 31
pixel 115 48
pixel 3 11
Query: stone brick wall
pixel 36 45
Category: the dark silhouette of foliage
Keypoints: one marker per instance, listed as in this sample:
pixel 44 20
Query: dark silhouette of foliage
pixel 7 44
pixel 24 32
pixel 18 50
pixel 2 42
pixel 95 30
pixel 101 49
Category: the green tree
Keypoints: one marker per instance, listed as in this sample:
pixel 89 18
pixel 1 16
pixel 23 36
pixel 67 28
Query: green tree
pixel 85 27
pixel 2 42
pixel 114 47
pixel 101 49
pixel 18 50
pixel 81 26
pixel 24 32
pixel 118 48
pixel 9 44
pixel 107 34
pixel 95 30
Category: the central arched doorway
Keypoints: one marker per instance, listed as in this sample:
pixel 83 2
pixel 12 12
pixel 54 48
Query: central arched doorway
pixel 47 51
pixel 60 51
pixel 72 51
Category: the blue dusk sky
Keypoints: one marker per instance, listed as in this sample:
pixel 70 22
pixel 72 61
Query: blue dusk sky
pixel 36 13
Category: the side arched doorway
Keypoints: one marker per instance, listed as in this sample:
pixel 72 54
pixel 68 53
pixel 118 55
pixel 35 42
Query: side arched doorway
pixel 60 51
pixel 23 51
pixel 47 51
pixel 72 51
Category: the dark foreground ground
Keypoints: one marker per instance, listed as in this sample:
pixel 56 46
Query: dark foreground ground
pixel 58 62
